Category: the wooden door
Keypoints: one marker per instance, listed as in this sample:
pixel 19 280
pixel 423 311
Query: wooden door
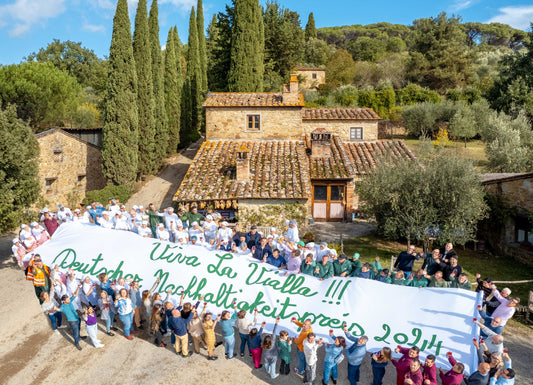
pixel 328 202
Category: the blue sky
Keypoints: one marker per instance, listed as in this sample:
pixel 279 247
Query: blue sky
pixel 27 25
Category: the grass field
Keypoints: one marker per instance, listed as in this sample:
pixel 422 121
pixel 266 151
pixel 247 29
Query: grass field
pixel 495 267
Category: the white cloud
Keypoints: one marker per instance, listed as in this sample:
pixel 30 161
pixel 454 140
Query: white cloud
pixel 184 5
pixel 516 16
pixel 26 13
pixel 106 4
pixel 459 5
pixel 93 28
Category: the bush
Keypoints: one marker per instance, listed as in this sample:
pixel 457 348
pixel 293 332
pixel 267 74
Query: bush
pixel 121 193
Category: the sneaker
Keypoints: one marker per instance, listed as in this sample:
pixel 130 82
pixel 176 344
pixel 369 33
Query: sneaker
pixel 114 329
pixel 78 347
pixel 83 337
pixel 298 373
pixel 129 337
pixel 260 366
pixel 334 380
pixel 242 354
pixel 212 358
pixel 57 332
pixel 276 376
pixel 111 334
pixel 99 346
pixel 62 326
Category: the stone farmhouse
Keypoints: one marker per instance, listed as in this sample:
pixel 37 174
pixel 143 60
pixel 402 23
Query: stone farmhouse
pixel 68 168
pixel 312 76
pixel 265 148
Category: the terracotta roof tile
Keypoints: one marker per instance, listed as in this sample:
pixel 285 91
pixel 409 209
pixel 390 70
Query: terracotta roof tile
pixel 278 170
pixel 256 99
pixel 336 166
pixel 365 155
pixel 339 114
pixel 304 68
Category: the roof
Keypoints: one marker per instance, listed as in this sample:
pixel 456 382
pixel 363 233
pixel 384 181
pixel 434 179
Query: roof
pixel 336 166
pixel 365 155
pixel 278 170
pixel 339 114
pixel 82 128
pixel 304 68
pixel 60 131
pixel 503 177
pixel 255 99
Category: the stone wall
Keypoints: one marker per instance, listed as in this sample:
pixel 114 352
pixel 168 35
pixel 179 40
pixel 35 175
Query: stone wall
pixel 519 193
pixel 266 213
pixel 71 166
pixel 281 123
pixel 342 127
pixel 309 82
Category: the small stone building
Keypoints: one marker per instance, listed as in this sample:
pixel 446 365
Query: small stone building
pixel 312 76
pixel 68 167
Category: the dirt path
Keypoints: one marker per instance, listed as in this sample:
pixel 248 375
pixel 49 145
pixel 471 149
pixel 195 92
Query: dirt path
pixel 159 189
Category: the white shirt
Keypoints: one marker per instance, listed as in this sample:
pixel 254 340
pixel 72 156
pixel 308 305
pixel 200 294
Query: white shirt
pixel 163 235
pixel 226 234
pixel 105 224
pixel 170 218
pixel 181 234
pixel 64 215
pixel 114 209
pixel 292 234
pixel 144 231
pixel 37 232
pixel 320 254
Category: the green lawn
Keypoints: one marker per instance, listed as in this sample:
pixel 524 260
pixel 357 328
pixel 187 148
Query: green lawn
pixel 475 150
pixel 472 262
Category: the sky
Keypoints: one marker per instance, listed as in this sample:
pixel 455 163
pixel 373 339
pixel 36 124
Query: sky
pixel 27 25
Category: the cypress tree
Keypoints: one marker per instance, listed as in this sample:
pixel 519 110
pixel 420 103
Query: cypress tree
pixel 145 93
pixel 160 114
pixel 247 47
pixel 310 29
pixel 120 136
pixel 173 82
pixel 178 51
pixel 202 46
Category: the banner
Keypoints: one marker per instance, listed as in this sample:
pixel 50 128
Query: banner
pixel 437 320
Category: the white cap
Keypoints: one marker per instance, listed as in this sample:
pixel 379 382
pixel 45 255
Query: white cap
pixel 45 210
pixel 310 245
pixel 224 223
pixel 77 210
pixel 105 213
pixel 325 244
pixel 333 252
pixel 209 216
pixel 144 222
pixel 270 237
pixel 272 229
pixel 141 207
pixel 134 207
pixel 123 207
pixel 60 206
pixel 22 226
pixel 194 223
pixel 161 225
pixel 33 224
pixel 16 240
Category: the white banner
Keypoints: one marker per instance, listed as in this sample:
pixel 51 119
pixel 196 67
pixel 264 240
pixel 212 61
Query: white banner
pixel 437 320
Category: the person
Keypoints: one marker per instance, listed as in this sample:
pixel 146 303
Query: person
pixel 39 274
pixel 342 267
pixel 162 233
pixel 430 370
pixel 270 352
pixel 399 278
pixel 39 233
pixel 276 260
pixel 153 219
pixel 355 354
pixel 379 361
pixel 430 264
pixel 448 252
pixel 224 232
pixel 210 228
pixel 454 376
pixel 485 286
pixel 406 260
pixel 324 269
pixel 305 330
pixel 491 303
pixel 196 330
pixel 64 214
pixel 311 346
pixel 331 358
pixel 255 345
pixel 308 266
pixel 88 292
pixel 366 272
pixel 226 323
pixel 178 326
pixel 91 326
pixel 72 317
pixel 253 237
pixel 507 306
pixel 437 280
pixel 19 251
pixel 125 312
pixel 403 364
pixel 105 221
pixel 156 319
pixel 504 376
pixel 210 339
pixel 262 251
pixel 137 302
pixel 294 262
pixel 384 276
pixel 418 280
pixel 51 309
pixel 195 216
pixel 243 326
pixel 285 344
pixel 292 231
pixel 480 376
pixel 357 265
pixel 451 268
pixel 460 281
pixel 322 250
pixel 491 323
pixel 413 375
pixel 50 223
pixel 107 310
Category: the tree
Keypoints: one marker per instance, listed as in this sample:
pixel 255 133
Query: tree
pixel 310 29
pixel 463 124
pixel 42 93
pixel 202 50
pixel 160 114
pixel 247 48
pixel 436 196
pixel 19 183
pixel 340 69
pixel 317 52
pixel 173 86
pixel 142 54
pixel 219 50
pixel 120 135
pixel 367 49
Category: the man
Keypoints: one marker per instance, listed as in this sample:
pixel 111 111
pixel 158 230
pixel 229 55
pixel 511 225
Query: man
pixel 437 280
pixel 460 282
pixel 121 222
pixel 399 278
pixel 448 252
pixel 50 223
pixel 480 376
pixel 276 259
pixel 39 274
pixel 406 260
pixel 493 303
pixel 356 265
pixel 194 216
pixel 491 323
pixel 306 329
pixel 324 269
pixel 169 217
pixel 105 221
pixel 262 251
pixel 355 354
pixel 504 376
pixel 238 235
pixel 418 280
pixel 210 228
pixel 430 262
pixel 414 375
pixel 224 232
pixel 451 267
pixel 153 219
pixel 454 376
pixel 178 326
pixel 308 266
pixel 252 237
pixel 384 276
pixel 162 233
pixel 72 317
pixel 113 207
pixel 95 212
pixel 507 306
pixel 143 230
pixel 494 342
pixel 182 215
pixel 64 214
pixel 342 267
pixel 366 272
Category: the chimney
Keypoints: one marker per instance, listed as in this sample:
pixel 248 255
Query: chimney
pixel 320 143
pixel 243 163
pixel 290 91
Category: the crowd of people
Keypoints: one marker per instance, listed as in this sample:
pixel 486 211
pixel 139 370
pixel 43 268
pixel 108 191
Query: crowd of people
pixel 63 295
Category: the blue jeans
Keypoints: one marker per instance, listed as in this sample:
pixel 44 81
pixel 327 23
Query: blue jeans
pixel 407 274
pixel 55 319
pixel 271 368
pixel 353 373
pixel 75 326
pixel 109 321
pixel 301 361
pixel 127 320
pixel 229 345
pixel 330 368
pixel 378 374
pixel 245 339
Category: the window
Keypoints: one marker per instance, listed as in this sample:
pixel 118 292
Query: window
pixel 81 181
pixel 321 193
pixel 253 122
pixel 356 133
pixel 58 155
pixel 524 229
pixel 50 185
pixel 313 76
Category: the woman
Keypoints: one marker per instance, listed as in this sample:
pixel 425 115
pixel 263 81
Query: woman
pixel 210 338
pixel 125 312
pixel 156 318
pixel 333 353
pixel 19 251
pixel 91 326
pixel 51 309
pixel 244 325
pixel 379 362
